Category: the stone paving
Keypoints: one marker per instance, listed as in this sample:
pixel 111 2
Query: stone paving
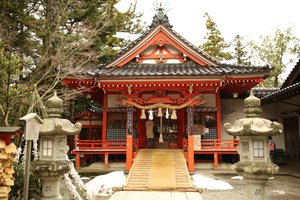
pixel 153 195
pixel 287 175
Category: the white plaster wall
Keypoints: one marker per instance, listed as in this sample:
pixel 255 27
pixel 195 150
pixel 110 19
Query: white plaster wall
pixel 270 112
pixel 172 49
pixel 279 111
pixel 233 109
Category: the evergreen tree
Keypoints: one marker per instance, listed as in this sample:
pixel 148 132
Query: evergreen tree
pixel 53 38
pixel 215 44
pixel 240 54
pixel 274 50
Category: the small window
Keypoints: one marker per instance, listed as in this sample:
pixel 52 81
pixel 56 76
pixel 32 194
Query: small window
pixel 47 148
pixel 258 149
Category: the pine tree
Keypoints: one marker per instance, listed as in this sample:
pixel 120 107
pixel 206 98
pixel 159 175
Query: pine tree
pixel 240 54
pixel 215 44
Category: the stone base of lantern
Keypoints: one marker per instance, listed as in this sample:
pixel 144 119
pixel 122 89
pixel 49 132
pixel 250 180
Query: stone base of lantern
pixel 255 175
pixel 255 170
pixel 255 189
pixel 50 188
pixel 50 173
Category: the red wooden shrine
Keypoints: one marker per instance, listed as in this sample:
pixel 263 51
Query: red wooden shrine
pixel 162 74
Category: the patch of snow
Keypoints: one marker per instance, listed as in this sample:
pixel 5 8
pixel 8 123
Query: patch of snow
pixel 279 192
pixel 204 182
pixel 103 185
pixel 237 177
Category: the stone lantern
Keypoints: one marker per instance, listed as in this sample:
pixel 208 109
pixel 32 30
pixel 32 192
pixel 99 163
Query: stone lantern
pixel 255 164
pixel 53 148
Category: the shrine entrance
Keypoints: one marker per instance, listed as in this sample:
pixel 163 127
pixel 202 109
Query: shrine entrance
pixel 167 136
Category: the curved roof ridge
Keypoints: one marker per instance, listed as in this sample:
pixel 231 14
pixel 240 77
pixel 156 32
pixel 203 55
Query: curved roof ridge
pixel 292 75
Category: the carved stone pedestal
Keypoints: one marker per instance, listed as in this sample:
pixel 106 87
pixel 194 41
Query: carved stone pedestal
pixel 51 173
pixel 255 189
pixel 50 188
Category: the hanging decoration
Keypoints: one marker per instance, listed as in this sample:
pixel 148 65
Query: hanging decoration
pixel 35 150
pixel 159 114
pixel 24 154
pixel 71 187
pixel 75 185
pixel 174 116
pixel 143 115
pixel 167 114
pixel 196 100
pixel 150 114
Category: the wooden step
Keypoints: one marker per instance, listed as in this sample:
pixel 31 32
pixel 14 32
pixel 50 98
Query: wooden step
pixel 159 169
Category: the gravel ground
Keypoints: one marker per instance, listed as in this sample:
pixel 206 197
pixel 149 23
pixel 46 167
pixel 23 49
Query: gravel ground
pixel 281 187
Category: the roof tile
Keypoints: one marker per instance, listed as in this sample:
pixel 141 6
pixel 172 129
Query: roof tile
pixel 180 69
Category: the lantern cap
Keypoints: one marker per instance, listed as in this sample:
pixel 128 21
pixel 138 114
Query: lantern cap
pixel 252 105
pixel 54 106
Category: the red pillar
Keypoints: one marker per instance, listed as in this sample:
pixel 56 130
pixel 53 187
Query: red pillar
pixel 190 122
pixel 216 160
pixel 77 161
pixel 128 152
pixel 106 165
pixel 191 162
pixel 129 133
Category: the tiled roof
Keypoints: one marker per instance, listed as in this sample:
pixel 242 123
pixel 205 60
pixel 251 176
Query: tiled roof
pixel 8 129
pixel 262 92
pixel 293 76
pixel 284 93
pixel 187 69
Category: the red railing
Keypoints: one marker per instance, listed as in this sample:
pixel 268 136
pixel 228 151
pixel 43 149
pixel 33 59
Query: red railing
pixel 102 144
pixel 219 144
pixel 215 144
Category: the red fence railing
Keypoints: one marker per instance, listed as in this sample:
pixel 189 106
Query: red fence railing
pixel 215 144
pixel 102 144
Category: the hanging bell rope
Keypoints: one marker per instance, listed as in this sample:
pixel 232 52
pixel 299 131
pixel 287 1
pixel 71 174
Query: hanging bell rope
pixel 159 114
pixel 162 105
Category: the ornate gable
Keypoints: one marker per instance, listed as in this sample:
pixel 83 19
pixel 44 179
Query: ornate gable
pixel 161 44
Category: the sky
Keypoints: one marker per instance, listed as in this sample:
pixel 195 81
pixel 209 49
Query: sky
pixel 248 18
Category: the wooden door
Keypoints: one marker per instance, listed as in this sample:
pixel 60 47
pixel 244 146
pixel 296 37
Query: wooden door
pixel 292 141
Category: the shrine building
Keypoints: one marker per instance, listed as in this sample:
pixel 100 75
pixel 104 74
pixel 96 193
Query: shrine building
pixel 163 78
